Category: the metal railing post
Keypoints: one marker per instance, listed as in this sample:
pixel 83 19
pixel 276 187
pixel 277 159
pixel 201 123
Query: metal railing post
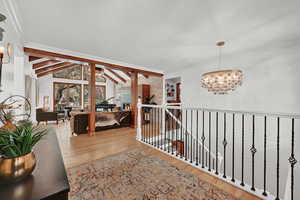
pixel 139 120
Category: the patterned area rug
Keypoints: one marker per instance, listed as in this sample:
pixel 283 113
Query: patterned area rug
pixel 138 175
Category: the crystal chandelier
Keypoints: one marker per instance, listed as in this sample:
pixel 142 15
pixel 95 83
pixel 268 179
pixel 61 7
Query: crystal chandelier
pixel 222 81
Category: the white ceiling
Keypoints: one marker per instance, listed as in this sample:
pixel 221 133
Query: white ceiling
pixel 162 34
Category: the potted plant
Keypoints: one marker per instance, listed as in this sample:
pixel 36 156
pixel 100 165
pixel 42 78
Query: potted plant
pixel 17 159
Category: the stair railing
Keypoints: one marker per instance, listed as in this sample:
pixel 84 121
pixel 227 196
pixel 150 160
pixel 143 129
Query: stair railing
pixel 188 132
pixel 253 145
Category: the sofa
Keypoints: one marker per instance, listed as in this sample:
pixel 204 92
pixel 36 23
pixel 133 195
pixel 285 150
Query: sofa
pixel 104 120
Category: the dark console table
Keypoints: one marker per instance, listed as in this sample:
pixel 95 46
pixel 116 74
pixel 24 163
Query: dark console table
pixel 49 179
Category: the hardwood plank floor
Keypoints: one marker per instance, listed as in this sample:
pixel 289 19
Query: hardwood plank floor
pixel 81 149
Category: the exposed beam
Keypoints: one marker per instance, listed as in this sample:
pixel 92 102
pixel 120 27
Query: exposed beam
pixel 92 116
pixel 38 52
pixel 41 64
pixel 44 69
pixel 117 75
pixel 128 74
pixel 55 70
pixel 110 78
pixel 33 58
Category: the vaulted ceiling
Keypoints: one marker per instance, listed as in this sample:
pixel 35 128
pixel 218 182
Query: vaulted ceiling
pixel 161 34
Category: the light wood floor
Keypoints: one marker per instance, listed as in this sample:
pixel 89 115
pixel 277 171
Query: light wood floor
pixel 81 149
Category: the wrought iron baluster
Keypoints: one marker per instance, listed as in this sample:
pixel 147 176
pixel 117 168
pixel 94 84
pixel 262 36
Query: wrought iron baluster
pixel 278 160
pixel 144 126
pixel 150 126
pixel 253 151
pixel 142 123
pixel 200 153
pixel 165 134
pixel 157 128
pixel 172 131
pixel 154 127
pixel 243 148
pixel 265 155
pixel 209 141
pixel 292 159
pixel 217 149
pixel 148 134
pixel 224 144
pixel 233 134
pixel 203 138
pixel 181 139
pixel 191 138
pixel 160 127
pixel 176 133
pixel 186 137
pixel 169 133
pixel 206 158
pixel 197 145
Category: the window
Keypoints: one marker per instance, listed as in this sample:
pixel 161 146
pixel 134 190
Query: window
pixel 100 95
pixel 66 95
pixel 74 73
pixel 86 75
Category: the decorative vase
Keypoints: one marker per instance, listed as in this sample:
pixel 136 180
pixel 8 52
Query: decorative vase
pixel 16 169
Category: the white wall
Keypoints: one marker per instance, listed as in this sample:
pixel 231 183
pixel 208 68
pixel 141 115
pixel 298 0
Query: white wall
pixel 13 74
pixel 269 86
pixel 12 71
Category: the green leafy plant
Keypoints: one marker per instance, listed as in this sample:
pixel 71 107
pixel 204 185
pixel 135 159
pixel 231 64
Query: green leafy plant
pixel 149 100
pixel 20 141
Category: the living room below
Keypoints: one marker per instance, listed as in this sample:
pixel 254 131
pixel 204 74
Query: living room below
pixel 65 95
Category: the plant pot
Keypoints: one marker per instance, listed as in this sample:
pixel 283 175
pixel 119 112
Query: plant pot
pixel 16 169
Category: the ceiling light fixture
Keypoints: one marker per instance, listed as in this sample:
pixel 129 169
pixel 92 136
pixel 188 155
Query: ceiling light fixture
pixel 222 81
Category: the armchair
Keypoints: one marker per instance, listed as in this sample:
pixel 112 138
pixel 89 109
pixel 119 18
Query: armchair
pixel 42 116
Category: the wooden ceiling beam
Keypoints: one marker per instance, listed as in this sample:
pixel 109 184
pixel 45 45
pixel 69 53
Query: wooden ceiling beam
pixel 110 78
pixel 117 75
pixel 33 58
pixel 128 74
pixel 46 62
pixel 37 52
pixel 55 70
pixel 44 69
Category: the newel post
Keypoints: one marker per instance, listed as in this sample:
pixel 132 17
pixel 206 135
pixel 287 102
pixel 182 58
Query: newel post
pixel 139 120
